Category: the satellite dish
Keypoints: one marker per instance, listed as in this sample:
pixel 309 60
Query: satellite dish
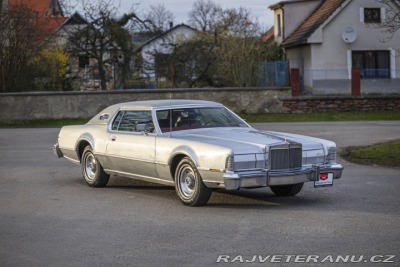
pixel 349 34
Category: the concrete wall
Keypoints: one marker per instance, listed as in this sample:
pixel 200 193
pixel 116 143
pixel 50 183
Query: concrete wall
pixel 57 105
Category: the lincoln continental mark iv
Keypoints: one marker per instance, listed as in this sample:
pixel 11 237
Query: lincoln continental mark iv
pixel 196 146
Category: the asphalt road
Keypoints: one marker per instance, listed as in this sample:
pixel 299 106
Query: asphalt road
pixel 49 217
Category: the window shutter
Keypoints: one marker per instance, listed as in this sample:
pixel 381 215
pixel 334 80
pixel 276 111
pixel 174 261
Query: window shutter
pixel 383 14
pixel 362 14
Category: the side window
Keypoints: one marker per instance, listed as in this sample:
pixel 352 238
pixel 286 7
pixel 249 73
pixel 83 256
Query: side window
pixel 117 120
pixel 134 121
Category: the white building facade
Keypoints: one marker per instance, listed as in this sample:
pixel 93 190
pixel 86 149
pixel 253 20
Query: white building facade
pixel 326 39
pixel 162 45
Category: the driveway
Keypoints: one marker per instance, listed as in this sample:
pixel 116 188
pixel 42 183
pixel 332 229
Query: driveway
pixel 49 217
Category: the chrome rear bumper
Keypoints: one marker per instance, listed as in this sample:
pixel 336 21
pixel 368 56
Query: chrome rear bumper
pixel 263 178
pixel 57 151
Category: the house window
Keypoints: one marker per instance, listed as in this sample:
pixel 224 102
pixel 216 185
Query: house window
pixel 163 65
pixel 373 64
pixel 372 15
pixel 83 61
pixel 279 25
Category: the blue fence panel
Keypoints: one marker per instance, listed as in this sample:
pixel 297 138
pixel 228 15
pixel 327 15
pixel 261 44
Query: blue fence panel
pixel 274 74
pixel 375 73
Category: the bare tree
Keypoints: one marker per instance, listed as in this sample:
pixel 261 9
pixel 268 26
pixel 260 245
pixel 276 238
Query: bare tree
pixel 105 37
pixel 237 22
pixel 192 61
pixel 239 50
pixel 227 51
pixel 160 17
pixel 21 34
pixel 391 23
pixel 205 15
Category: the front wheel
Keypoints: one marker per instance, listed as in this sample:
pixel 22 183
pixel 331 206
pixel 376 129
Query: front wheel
pixel 287 190
pixel 92 171
pixel 189 186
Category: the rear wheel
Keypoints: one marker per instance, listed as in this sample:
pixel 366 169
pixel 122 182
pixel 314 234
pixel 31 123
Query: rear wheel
pixel 189 185
pixel 287 190
pixel 92 171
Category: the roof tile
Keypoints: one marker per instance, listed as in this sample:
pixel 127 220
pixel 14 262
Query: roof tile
pixel 314 20
pixel 50 23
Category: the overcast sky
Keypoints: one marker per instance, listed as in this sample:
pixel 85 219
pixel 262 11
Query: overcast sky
pixel 181 8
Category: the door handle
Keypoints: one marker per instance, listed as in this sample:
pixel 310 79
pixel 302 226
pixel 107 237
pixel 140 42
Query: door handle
pixel 113 138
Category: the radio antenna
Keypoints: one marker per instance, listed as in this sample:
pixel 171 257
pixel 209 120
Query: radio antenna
pixel 170 115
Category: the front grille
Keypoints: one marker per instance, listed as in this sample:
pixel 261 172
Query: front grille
pixel 285 158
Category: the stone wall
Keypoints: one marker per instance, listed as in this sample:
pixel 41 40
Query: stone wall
pixel 340 103
pixel 58 105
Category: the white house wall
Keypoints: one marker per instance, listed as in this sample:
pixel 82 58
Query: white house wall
pixel 296 13
pixel 331 59
pixel 293 13
pixel 162 45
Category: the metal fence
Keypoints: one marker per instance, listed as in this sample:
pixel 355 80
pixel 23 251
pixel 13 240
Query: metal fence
pixel 338 81
pixel 274 74
pixel 327 74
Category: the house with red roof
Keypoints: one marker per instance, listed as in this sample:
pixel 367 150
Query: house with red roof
pixel 325 39
pixel 55 32
pixel 48 12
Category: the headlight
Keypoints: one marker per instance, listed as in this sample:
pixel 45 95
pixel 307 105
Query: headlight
pixel 230 163
pixel 331 157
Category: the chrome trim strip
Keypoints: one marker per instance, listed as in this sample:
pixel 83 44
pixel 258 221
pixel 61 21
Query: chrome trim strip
pixel 140 176
pixel 210 181
pixel 73 160
pixel 129 158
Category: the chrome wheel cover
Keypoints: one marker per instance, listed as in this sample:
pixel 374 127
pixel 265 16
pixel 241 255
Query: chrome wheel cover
pixel 90 167
pixel 186 181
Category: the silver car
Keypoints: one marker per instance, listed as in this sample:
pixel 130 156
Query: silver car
pixel 196 146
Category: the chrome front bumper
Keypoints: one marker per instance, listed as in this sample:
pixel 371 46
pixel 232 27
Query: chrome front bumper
pixel 57 151
pixel 263 178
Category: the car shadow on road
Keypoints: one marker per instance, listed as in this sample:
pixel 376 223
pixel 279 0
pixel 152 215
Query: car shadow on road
pixel 220 198
pixel 260 198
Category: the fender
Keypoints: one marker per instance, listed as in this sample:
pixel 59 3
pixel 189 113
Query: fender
pixel 185 150
pixel 85 137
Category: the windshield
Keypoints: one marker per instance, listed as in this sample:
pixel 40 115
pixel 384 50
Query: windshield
pixel 193 118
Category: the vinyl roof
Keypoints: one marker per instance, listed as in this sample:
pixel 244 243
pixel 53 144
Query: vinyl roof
pixel 167 103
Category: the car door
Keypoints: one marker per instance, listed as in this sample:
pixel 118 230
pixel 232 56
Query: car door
pixel 131 148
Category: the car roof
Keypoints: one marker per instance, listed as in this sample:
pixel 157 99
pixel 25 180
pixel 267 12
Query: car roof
pixel 166 103
pixel 149 105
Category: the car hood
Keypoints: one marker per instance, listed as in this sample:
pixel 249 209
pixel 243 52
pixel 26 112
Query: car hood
pixel 250 140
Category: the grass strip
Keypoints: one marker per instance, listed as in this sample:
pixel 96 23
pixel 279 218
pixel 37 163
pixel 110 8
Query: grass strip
pixel 385 154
